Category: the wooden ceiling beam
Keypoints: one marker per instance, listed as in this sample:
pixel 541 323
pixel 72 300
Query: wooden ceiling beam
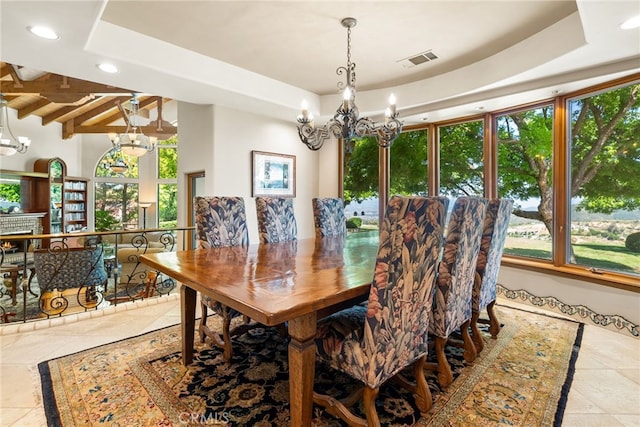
pixel 31 108
pixel 102 106
pixel 121 129
pixel 46 119
pixel 4 69
pixel 59 85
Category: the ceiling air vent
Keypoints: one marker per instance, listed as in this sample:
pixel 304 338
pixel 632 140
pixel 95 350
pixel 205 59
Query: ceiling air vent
pixel 418 59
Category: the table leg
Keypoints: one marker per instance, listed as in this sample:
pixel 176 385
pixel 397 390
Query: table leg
pixel 188 300
pixel 302 357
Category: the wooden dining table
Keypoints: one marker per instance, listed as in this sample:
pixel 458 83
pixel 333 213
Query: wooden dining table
pixel 297 282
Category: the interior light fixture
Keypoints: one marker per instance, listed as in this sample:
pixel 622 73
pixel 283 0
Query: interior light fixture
pixel 117 164
pixel 346 122
pixel 631 23
pixel 9 144
pixel 108 68
pixel 133 142
pixel 144 206
pixel 43 32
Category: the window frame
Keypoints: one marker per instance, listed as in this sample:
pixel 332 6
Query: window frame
pixel 558 265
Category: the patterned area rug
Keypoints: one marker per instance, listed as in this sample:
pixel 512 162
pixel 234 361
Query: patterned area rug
pixel 522 378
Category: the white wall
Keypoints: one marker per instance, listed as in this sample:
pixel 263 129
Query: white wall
pixel 236 134
pixel 46 142
pixel 603 300
pixel 225 139
pixel 195 150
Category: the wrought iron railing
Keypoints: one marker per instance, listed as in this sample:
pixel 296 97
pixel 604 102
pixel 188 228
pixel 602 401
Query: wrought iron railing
pixel 52 275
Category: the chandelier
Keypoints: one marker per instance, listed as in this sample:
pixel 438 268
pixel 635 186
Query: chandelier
pixel 133 142
pixel 9 144
pixel 346 123
pixel 117 164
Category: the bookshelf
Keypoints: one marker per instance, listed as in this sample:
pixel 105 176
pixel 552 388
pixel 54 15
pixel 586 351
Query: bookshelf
pixel 75 204
pixel 63 198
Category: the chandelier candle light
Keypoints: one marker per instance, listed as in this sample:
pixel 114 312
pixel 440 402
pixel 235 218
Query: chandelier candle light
pixel 9 144
pixel 133 142
pixel 346 123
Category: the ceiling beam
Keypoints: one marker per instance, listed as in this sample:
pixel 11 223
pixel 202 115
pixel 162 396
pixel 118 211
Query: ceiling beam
pixel 57 114
pixel 34 106
pixel 101 107
pixel 169 130
pixel 55 84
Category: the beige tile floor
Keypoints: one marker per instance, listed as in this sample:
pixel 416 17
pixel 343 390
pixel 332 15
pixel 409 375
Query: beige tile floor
pixel 605 390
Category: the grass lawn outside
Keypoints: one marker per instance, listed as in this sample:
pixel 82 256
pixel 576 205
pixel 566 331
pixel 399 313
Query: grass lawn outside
pixel 608 256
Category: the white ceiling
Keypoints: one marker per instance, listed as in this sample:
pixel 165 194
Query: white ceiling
pixel 266 56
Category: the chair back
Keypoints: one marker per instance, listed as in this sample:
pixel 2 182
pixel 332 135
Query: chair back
pixel 220 221
pixel 328 215
pixel 400 298
pixel 456 272
pixel 276 219
pixel 61 267
pixel 494 235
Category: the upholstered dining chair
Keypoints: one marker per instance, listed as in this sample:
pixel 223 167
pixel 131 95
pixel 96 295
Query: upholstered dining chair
pixel 276 219
pixel 454 285
pixel 328 216
pixel 494 234
pixel 374 343
pixel 220 222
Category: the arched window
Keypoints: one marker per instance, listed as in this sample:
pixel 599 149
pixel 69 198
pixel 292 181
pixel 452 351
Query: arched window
pixel 116 191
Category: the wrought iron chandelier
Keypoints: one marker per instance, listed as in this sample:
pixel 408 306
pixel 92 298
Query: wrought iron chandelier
pixel 346 123
pixel 133 142
pixel 9 144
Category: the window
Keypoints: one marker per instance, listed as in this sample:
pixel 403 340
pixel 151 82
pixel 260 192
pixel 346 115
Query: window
pixel 461 162
pixel 604 143
pixel 571 166
pixel 116 192
pixel 167 194
pixel 361 180
pixel 525 166
pixel 408 160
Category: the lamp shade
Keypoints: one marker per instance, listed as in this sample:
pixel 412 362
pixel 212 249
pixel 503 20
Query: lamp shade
pixel 134 150
pixel 6 149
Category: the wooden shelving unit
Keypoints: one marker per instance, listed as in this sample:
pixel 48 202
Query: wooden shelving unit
pixel 75 204
pixel 62 197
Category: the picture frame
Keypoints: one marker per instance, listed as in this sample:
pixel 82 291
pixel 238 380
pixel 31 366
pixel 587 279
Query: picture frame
pixel 273 174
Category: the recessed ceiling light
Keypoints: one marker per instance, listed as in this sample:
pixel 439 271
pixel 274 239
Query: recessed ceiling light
pixel 108 68
pixel 631 23
pixel 44 32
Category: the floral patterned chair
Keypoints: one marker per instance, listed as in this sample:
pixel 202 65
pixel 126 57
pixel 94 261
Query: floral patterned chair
pixel 328 215
pixel 374 343
pixel 220 221
pixel 276 219
pixel 454 285
pixel 494 234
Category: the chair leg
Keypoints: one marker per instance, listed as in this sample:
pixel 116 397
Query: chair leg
pixel 494 324
pixel 445 376
pixel 470 352
pixel 475 332
pixel 369 400
pixel 340 408
pixel 424 401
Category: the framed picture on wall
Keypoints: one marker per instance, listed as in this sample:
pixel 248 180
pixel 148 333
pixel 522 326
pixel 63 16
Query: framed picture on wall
pixel 273 174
